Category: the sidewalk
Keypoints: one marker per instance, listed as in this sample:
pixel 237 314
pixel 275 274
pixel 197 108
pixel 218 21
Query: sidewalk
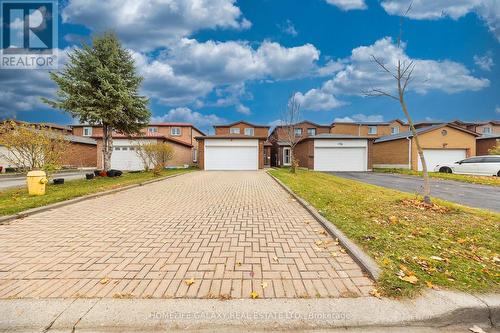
pixel 434 309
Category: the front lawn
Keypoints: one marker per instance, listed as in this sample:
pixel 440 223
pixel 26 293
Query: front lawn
pixel 483 180
pixel 445 246
pixel 17 200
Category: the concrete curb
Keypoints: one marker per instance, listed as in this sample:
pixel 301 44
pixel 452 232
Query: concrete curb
pixel 363 260
pixel 29 212
pixel 432 309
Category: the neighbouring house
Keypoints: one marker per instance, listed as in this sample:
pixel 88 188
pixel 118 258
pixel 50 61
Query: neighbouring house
pixel 280 147
pixel 441 143
pixel 485 128
pixel 236 146
pixel 124 157
pixel 80 153
pixel 335 152
pixel 369 129
pixel 485 143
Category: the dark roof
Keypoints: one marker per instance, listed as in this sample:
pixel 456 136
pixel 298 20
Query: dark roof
pixel 230 136
pixel 80 139
pixel 495 136
pixel 495 122
pixel 170 124
pixel 336 136
pixel 408 134
pixel 142 136
pixel 303 122
pixel 368 123
pixel 244 122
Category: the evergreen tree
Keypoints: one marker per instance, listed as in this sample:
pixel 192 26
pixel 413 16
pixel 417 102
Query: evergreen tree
pixel 99 86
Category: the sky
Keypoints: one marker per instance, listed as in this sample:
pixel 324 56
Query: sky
pixel 216 61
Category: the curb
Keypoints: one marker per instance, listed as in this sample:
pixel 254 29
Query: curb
pixel 361 258
pixel 29 212
pixel 436 309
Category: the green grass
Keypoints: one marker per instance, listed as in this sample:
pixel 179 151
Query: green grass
pixel 448 246
pixel 483 180
pixel 17 200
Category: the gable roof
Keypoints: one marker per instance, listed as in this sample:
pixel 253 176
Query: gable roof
pixel 368 123
pixel 242 122
pixel 166 124
pixel 431 128
pixel 494 122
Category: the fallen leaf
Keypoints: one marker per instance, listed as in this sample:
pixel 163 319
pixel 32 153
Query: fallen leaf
pixel 374 292
pixel 238 263
pixel 476 329
pixel 318 242
pixel 189 282
pixel 263 285
pixel 275 259
pixel 386 262
pixel 430 285
pixel 254 295
pixel 342 250
pixel 409 278
pixel 322 232
pixel 104 280
pixel 334 254
pixel 393 219
pixel 437 258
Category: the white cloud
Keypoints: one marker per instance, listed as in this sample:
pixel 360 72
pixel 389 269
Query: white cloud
pixel 183 114
pixel 360 74
pixel 288 28
pixel 330 68
pixel 148 24
pixel 497 109
pixel 360 117
pixel 243 109
pixel 317 100
pixel 484 62
pixel 488 10
pixel 348 4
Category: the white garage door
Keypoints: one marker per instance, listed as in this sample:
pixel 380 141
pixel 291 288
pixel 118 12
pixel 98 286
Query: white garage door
pixel 340 155
pixel 434 157
pixel 231 154
pixel 124 156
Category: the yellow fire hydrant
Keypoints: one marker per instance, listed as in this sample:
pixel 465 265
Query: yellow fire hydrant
pixel 36 182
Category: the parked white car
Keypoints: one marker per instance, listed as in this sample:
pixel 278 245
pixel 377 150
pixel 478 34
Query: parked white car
pixel 480 165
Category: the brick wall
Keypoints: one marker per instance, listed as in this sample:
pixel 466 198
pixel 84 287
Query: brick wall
pixel 484 145
pixel 304 153
pixel 80 155
pixel 258 131
pixel 391 153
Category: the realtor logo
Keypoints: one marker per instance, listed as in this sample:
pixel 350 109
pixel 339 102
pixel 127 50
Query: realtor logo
pixel 28 34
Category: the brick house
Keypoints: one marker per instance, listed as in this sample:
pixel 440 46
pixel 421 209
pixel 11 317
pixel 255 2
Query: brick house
pixel 441 143
pixel 280 148
pixel 179 135
pixel 236 146
pixel 485 143
pixel 369 129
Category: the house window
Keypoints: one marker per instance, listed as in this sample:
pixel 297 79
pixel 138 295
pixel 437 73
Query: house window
pixel 234 130
pixel 486 130
pixel 152 130
pixel 175 131
pixel 249 131
pixel 298 132
pixel 394 130
pixel 195 155
pixel 311 131
pixel 87 131
pixel 372 129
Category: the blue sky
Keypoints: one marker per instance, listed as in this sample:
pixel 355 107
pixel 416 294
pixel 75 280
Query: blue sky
pixel 211 61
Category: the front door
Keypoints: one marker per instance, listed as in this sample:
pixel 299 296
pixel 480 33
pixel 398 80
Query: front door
pixel 287 156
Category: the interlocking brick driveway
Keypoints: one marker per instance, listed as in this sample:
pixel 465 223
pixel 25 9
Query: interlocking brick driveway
pixel 232 232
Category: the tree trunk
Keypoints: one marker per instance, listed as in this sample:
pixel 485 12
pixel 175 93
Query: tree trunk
pixel 107 147
pixel 292 160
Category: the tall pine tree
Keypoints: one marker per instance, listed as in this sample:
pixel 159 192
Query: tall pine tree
pixel 99 86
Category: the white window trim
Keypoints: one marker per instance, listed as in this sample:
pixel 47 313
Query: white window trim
pixel 289 155
pixel 372 127
pixel 90 131
pixel 152 129
pixel 394 130
pixel 298 129
pixel 487 130
pixel 252 130
pixel 172 131
pixel 234 130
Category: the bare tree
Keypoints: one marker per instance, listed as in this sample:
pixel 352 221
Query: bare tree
pixel 289 118
pixel 402 74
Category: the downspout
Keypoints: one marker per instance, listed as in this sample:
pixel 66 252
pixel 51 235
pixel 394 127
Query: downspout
pixel 359 129
pixel 409 152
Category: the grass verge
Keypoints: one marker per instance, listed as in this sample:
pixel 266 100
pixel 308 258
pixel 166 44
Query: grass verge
pixel 483 180
pixel 445 246
pixel 17 200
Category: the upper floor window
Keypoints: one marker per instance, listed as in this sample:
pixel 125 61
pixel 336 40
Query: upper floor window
pixel 311 131
pixel 87 131
pixel 298 131
pixel 234 130
pixel 372 129
pixel 249 131
pixel 394 130
pixel 486 130
pixel 152 130
pixel 175 131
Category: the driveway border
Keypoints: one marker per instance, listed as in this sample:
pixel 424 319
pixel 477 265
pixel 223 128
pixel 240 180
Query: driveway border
pixel 361 258
pixel 32 211
pixel 432 309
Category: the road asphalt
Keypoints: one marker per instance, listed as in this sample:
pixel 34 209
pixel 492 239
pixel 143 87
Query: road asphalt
pixel 12 182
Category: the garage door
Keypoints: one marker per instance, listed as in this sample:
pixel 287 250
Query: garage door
pixel 124 156
pixel 434 157
pixel 340 155
pixel 231 154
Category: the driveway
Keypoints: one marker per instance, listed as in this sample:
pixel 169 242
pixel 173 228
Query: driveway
pixel 231 232
pixel 473 195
